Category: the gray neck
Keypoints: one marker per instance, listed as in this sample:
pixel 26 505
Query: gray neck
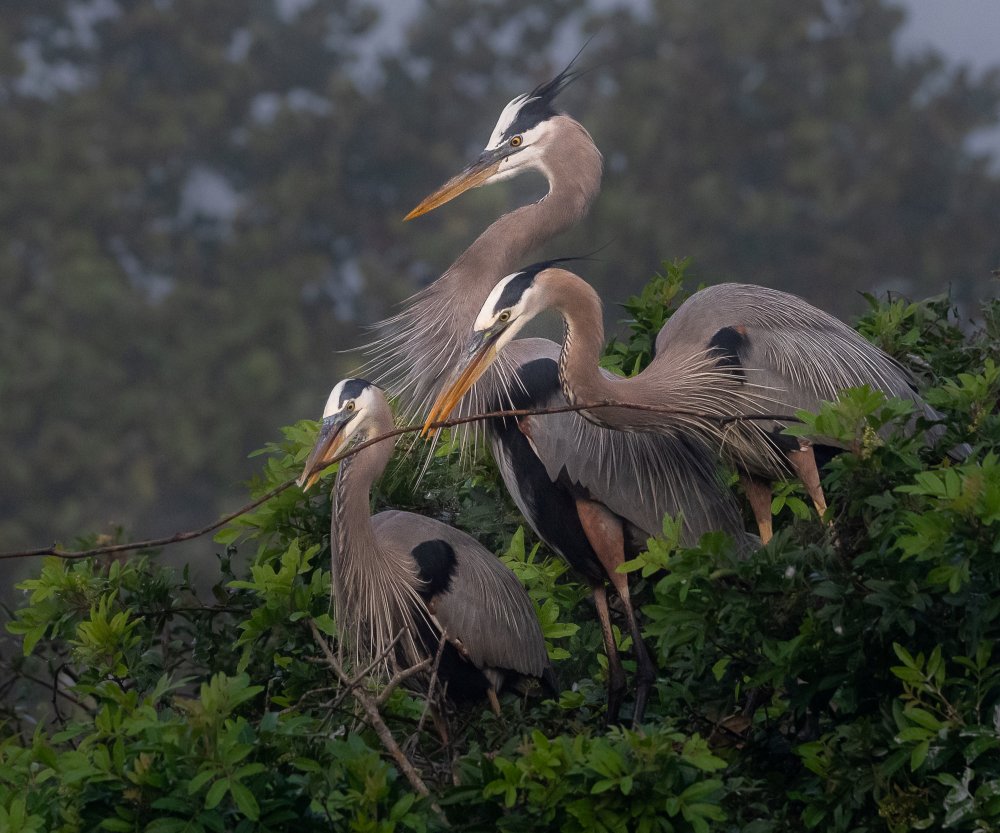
pixel 421 345
pixel 573 168
pixel 351 533
pixel 579 360
pixel 374 588
pixel 583 382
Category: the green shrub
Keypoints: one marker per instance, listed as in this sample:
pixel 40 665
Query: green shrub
pixel 843 678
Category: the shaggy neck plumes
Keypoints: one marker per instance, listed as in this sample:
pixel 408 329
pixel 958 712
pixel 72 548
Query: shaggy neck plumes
pixel 418 347
pixel 694 386
pixel 373 591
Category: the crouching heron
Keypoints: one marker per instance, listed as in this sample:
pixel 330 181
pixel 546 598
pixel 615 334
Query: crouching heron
pixel 401 572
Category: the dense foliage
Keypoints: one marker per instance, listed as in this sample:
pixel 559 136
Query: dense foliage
pixel 844 678
pixel 201 201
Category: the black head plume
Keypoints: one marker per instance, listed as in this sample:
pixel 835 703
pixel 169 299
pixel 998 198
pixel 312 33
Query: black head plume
pixel 353 388
pixel 524 278
pixel 539 104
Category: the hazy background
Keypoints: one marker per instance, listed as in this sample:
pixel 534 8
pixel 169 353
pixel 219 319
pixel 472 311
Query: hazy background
pixel 200 202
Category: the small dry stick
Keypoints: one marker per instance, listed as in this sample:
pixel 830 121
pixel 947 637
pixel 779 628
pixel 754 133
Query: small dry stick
pixel 433 684
pixel 375 718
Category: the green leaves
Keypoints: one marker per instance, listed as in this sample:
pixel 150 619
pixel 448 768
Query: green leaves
pixel 836 680
pixel 620 781
pixel 649 311
pixel 552 599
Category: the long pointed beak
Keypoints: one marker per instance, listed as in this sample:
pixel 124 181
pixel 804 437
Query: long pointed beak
pixel 473 176
pixel 481 352
pixel 328 443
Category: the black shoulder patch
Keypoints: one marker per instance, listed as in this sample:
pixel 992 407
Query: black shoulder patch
pixel 727 345
pixel 436 562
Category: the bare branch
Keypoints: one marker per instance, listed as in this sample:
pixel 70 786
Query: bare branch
pixel 433 683
pixel 400 677
pixel 178 537
pixel 375 719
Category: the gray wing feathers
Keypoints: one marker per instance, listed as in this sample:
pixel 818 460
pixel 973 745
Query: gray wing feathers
pixel 485 607
pixel 799 354
pixel 640 477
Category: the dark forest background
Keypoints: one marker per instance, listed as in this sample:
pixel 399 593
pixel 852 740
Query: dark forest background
pixel 201 202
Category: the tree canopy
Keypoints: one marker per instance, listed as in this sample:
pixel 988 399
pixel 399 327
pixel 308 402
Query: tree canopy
pixel 201 201
pixel 841 679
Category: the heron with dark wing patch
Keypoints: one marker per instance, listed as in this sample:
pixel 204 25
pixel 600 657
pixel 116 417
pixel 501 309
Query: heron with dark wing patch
pixel 399 572
pixel 729 350
pixel 568 476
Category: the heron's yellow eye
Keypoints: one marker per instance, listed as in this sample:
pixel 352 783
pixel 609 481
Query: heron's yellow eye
pixel 350 405
pixel 516 141
pixel 504 316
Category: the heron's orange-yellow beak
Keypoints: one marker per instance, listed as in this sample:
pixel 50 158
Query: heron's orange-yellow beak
pixel 473 176
pixel 328 443
pixel 465 378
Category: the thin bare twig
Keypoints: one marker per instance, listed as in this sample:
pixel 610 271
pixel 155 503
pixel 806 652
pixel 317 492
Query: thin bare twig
pixel 353 683
pixel 431 685
pixel 400 677
pixel 178 537
pixel 378 724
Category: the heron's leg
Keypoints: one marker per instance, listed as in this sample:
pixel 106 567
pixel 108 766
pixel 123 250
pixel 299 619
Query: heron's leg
pixel 803 463
pixel 491 693
pixel 646 671
pixel 616 674
pixel 606 534
pixel 758 493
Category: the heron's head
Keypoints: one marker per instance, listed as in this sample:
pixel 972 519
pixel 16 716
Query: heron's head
pixel 353 403
pixel 518 143
pixel 513 303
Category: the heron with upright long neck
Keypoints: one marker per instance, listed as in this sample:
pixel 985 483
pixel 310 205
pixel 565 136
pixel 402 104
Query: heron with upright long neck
pixel 402 581
pixel 729 350
pixel 416 347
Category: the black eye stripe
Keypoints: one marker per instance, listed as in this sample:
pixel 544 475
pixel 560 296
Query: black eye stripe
pixel 353 388
pixel 531 114
pixel 513 291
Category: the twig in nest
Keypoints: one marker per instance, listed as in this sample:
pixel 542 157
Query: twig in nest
pixel 370 706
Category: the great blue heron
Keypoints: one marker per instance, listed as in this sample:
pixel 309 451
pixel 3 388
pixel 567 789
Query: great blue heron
pixel 416 348
pixel 599 508
pixel 731 349
pixel 583 489
pixel 401 572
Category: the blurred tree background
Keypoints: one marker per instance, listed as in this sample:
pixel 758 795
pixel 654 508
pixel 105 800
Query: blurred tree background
pixel 201 201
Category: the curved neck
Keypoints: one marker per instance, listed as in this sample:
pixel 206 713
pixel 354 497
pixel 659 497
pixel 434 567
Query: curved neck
pixel 351 533
pixel 373 587
pixel 422 344
pixel 580 373
pixel 572 164
pixel 582 313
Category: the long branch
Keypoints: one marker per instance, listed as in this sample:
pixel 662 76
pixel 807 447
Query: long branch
pixel 178 537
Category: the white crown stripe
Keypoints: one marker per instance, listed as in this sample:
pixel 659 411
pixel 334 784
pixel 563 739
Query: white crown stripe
pixel 506 119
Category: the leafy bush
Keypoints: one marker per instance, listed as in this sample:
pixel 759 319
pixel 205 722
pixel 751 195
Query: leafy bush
pixel 844 678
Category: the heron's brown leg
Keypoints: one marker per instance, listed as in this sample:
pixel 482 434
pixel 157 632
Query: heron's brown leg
pixel 607 536
pixel 758 493
pixel 491 693
pixel 646 671
pixel 803 462
pixel 616 674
